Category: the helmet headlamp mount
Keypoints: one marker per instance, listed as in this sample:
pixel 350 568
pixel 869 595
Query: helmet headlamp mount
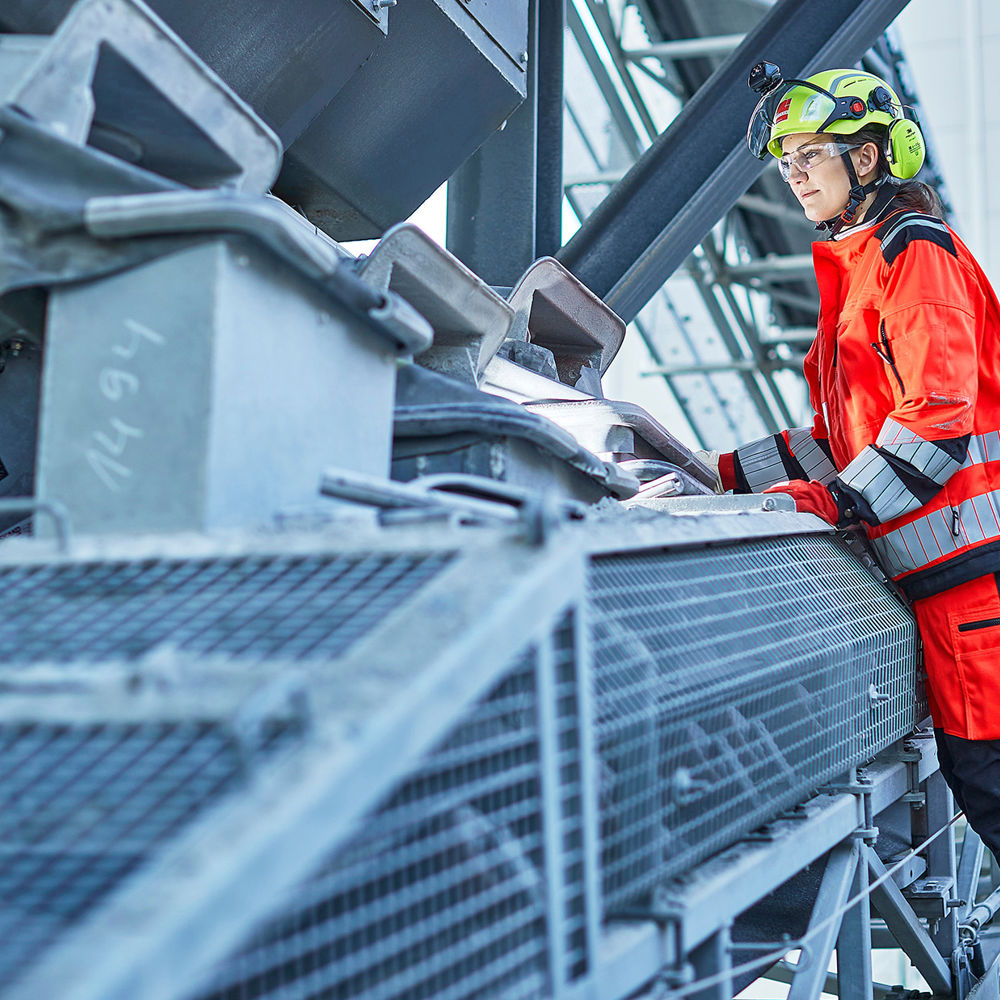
pixel 764 77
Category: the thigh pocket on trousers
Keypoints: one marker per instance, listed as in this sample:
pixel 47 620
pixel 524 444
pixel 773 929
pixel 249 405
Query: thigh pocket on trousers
pixel 975 636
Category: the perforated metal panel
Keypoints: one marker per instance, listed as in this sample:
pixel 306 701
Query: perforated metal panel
pixel 250 607
pixel 442 893
pixel 729 684
pixel 83 806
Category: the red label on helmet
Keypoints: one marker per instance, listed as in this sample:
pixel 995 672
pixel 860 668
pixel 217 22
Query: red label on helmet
pixel 782 114
pixel 857 107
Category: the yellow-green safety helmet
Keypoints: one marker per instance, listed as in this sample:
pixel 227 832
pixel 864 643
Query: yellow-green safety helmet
pixel 836 102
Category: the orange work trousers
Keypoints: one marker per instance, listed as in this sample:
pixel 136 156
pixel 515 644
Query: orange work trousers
pixel 960 629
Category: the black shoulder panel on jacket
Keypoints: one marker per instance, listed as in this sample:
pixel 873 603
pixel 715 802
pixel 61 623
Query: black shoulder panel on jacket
pixel 899 231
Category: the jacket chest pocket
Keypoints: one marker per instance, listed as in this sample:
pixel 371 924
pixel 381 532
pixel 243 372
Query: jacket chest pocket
pixel 868 372
pixel 882 346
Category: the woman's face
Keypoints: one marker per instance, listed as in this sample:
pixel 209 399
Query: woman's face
pixel 822 190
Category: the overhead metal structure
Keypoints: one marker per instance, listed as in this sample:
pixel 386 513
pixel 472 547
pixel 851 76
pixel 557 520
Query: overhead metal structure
pixel 698 168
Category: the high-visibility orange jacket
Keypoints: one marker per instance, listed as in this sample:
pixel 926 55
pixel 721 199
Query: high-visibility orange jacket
pixel 904 381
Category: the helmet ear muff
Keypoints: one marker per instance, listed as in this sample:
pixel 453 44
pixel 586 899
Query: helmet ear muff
pixel 905 149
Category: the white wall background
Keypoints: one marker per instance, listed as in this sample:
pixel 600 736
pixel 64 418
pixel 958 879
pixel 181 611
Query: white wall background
pixel 953 50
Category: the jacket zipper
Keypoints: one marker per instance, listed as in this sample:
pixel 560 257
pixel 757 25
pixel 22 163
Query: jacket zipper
pixel 983 623
pixel 885 353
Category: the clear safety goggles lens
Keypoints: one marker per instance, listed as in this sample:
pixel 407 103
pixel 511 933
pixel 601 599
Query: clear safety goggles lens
pixel 813 112
pixel 805 158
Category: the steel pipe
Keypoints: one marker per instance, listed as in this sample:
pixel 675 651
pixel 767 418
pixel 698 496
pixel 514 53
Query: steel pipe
pixel 686 48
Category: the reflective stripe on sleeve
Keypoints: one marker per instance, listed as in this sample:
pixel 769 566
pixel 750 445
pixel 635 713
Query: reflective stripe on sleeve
pixel 810 455
pixel 761 463
pixel 875 479
pixel 924 456
pixel 927 538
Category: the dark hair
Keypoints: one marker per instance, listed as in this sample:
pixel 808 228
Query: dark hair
pixel 909 194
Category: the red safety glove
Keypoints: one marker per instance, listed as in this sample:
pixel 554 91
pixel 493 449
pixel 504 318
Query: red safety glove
pixel 810 497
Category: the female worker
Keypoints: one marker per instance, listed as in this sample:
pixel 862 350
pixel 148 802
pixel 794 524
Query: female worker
pixel 904 382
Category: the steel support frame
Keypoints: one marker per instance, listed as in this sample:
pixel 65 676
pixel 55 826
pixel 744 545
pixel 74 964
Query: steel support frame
pixel 505 202
pixel 714 260
pixel 854 942
pixel 970 863
pixel 654 217
pixel 906 928
pixel 703 905
pixel 839 878
pixel 630 137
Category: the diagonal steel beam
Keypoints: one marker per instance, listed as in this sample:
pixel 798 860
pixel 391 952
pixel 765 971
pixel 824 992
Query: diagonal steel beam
pixel 906 928
pixel 698 167
pixel 969 864
pixel 810 976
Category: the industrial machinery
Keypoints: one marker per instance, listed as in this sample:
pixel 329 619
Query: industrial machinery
pixel 354 645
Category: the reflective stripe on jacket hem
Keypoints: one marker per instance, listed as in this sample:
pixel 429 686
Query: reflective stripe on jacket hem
pixel 980 561
pixel 940 533
pixel 983 448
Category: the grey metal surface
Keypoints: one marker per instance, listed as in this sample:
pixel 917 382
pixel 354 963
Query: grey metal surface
pixel 513 381
pixel 116 77
pixel 392 698
pixel 86 804
pixel 146 424
pixel 431 93
pixel 286 60
pixel 732 503
pixel 274 225
pixel 549 80
pixel 620 430
pixel 311 69
pixel 493 196
pixel 372 924
pixel 669 200
pixel 512 743
pixel 442 425
pixel 20 386
pixel 553 309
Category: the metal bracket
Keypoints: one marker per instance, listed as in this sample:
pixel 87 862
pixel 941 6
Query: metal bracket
pixel 861 787
pixel 55 510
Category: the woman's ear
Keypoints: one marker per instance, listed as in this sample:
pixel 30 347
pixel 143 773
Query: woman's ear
pixel 867 161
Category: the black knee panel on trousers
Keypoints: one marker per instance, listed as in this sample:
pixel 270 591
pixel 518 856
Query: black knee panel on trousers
pixel 972 770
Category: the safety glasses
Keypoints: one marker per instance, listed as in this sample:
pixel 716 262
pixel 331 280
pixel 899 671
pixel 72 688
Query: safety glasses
pixel 805 158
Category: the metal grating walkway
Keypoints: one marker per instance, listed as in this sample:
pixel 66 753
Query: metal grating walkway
pixel 84 806
pixel 250 607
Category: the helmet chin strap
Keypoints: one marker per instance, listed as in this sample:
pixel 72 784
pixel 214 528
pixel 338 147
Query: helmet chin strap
pixel 855 197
